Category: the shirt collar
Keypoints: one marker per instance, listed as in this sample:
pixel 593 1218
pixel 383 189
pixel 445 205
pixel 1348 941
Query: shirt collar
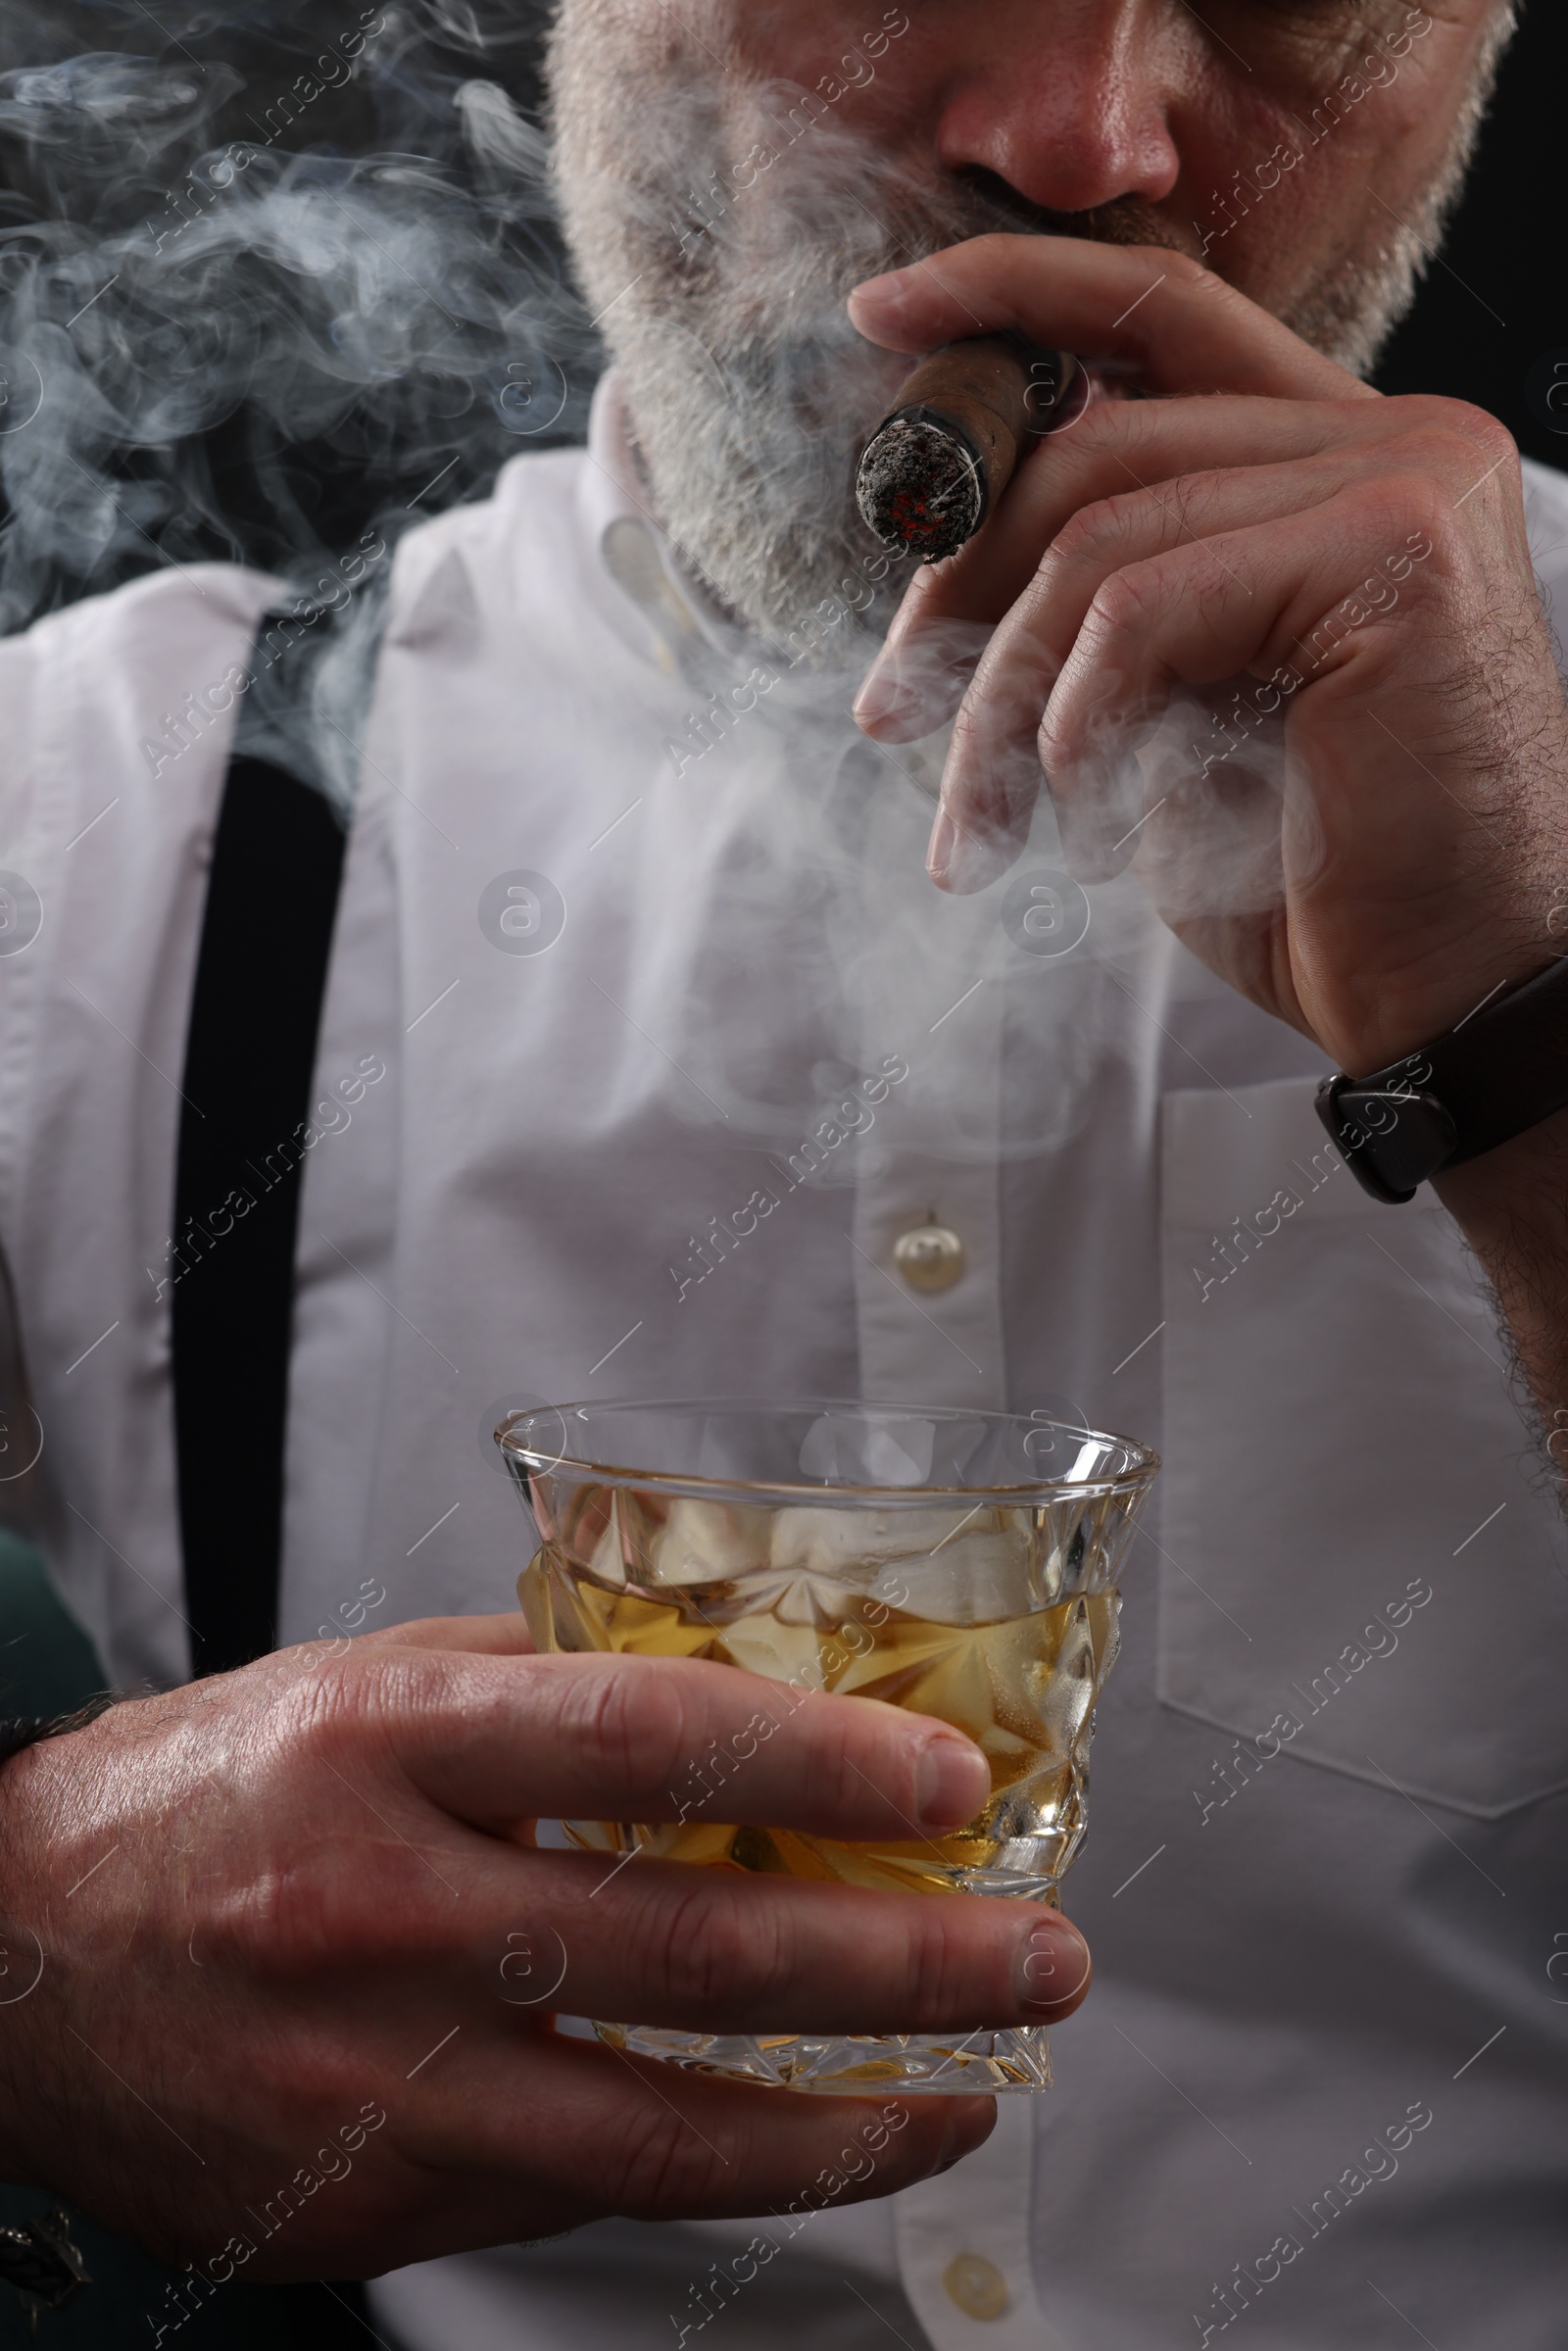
pixel 680 623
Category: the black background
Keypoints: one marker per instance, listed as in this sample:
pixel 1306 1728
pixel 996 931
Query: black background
pixel 1496 301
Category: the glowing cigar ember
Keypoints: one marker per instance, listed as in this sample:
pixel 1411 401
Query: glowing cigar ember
pixel 934 468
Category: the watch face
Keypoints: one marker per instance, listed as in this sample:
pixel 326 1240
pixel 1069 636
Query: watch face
pixel 1392 1141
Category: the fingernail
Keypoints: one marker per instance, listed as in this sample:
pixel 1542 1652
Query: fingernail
pixel 889 282
pixel 1051 1963
pixel 879 697
pixel 952 1782
pixel 939 849
pixel 974 860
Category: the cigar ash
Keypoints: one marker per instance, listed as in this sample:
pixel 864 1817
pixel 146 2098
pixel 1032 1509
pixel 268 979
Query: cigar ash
pixel 922 486
pixel 935 467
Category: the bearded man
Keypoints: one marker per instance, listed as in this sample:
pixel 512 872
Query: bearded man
pixel 629 906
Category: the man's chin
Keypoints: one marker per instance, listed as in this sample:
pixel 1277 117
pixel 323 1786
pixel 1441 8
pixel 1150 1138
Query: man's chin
pixel 723 307
pixel 768 526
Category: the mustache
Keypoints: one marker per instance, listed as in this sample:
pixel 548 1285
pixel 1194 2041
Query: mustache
pixel 918 218
pixel 999 207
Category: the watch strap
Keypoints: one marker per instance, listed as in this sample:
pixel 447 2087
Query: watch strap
pixel 1503 1070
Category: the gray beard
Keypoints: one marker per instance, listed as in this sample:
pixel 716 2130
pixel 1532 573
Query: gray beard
pixel 723 304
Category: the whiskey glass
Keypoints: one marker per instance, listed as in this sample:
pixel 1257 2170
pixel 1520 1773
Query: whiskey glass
pixel 962 1564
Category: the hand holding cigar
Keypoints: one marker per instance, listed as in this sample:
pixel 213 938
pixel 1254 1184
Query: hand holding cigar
pixel 934 468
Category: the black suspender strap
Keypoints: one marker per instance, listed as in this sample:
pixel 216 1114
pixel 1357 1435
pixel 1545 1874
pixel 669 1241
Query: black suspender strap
pixel 266 934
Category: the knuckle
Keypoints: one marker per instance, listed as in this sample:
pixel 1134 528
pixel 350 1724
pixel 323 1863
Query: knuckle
pixel 1094 459
pixel 822 1747
pixel 1190 275
pixel 1436 453
pixel 874 1763
pixel 1407 501
pixel 1458 426
pixel 1488 434
pixel 715 1944
pixel 1422 410
pixel 864 1758
pixel 1100 433
pixel 631 1725
pixel 359 1713
pixel 413 1633
pixel 1122 603
pixel 940 1968
pixel 659 2168
pixel 997 248
pixel 1082 537
pixel 324 1713
pixel 332 1902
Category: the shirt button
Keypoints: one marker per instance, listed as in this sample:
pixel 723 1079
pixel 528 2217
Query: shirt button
pixel 977 2285
pixel 930 1257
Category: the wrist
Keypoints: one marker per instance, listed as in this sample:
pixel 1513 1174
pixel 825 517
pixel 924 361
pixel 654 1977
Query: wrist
pixel 1511 1206
pixel 28 1984
pixel 18 1731
pixel 57 1816
pixel 1516 1194
pixel 1404 1035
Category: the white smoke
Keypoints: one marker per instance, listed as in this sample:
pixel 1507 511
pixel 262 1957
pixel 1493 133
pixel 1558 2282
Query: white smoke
pixel 718 224
pixel 223 337
pixel 275 278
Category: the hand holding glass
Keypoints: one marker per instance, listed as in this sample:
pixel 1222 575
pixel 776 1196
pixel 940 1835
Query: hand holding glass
pixel 960 1564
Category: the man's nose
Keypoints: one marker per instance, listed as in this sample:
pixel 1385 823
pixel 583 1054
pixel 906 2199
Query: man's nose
pixel 1072 103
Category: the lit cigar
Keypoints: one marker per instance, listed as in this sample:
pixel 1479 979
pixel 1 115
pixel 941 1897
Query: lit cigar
pixel 934 470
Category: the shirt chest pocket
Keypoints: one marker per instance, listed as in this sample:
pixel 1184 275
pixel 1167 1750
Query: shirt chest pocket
pixel 1362 1559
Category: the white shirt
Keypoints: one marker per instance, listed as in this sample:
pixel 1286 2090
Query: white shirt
pixel 1306 1938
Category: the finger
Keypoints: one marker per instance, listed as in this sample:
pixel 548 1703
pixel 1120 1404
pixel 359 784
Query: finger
pixel 1251 600
pixel 943 624
pixel 718 1949
pixel 504 1635
pixel 996 739
pixel 506 1937
pixel 626 2134
pixel 482 2148
pixel 1125 445
pixel 1184 329
pixel 493 1739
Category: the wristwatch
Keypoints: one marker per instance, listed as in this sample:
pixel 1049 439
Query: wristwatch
pixel 43 2265
pixel 1503 1070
